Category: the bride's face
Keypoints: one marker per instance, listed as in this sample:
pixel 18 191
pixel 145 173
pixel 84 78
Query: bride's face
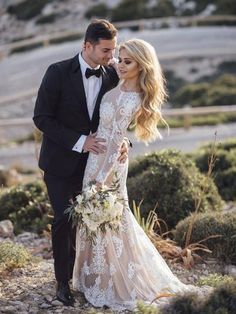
pixel 128 67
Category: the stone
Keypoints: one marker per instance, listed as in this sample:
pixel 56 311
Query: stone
pixel 230 270
pixel 45 306
pixel 6 229
pixel 56 303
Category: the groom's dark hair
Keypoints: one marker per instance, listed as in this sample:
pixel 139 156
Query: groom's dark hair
pixel 99 29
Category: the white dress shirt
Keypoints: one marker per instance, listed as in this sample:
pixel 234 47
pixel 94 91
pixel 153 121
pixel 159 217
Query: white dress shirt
pixel 92 87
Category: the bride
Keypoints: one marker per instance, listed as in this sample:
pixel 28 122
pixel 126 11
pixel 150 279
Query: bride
pixel 123 267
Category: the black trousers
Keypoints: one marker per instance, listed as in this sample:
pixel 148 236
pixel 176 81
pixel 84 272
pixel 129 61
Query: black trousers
pixel 60 191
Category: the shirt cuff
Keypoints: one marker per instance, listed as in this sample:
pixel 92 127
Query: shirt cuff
pixel 78 147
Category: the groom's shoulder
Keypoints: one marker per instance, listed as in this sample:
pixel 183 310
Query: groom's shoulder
pixel 111 72
pixel 62 65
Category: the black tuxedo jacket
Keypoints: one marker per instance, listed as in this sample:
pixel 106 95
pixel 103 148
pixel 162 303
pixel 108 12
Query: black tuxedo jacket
pixel 61 114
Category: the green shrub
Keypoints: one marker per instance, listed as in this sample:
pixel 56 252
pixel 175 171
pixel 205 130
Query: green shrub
pixel 219 92
pixel 27 206
pixel 224 159
pixel 210 224
pixel 129 10
pixel 143 308
pixel 226 183
pixel 221 301
pixel 224 172
pixel 219 96
pixel 172 181
pixel 100 11
pixel 215 280
pixel 13 256
pixel 191 94
pixel 185 304
pixel 47 19
pixel 3 177
pixel 27 9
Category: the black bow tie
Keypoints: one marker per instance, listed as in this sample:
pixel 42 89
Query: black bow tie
pixel 91 72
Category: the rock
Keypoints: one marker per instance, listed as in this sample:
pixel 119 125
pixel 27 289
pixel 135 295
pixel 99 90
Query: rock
pixel 9 309
pixel 230 270
pixel 45 306
pixel 56 303
pixel 6 229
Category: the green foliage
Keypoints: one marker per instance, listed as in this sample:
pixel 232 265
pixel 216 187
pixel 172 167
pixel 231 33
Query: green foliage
pixel 226 7
pixel 146 309
pixel 27 206
pixel 13 256
pixel 186 304
pixel 211 224
pixel 3 177
pixel 100 11
pixel 226 183
pixel 172 181
pixel 220 92
pixel 162 9
pixel 129 10
pixel 215 280
pixel 227 67
pixel 47 19
pixel 27 9
pixel 191 94
pixel 224 172
pixel 174 83
pixel 133 10
pixel 221 301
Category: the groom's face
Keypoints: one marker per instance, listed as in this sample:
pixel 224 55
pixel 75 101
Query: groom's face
pixel 101 52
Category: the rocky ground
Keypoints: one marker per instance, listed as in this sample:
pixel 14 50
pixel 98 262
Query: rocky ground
pixel 32 289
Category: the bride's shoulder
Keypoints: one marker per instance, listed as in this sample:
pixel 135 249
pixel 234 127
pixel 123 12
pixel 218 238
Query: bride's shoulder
pixel 112 94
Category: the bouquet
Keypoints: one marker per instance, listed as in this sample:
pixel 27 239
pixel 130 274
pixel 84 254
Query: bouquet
pixel 96 209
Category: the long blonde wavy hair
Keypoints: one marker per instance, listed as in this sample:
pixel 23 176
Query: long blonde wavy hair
pixel 152 85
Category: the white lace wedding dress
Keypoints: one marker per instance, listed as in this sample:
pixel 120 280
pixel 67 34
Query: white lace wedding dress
pixel 122 267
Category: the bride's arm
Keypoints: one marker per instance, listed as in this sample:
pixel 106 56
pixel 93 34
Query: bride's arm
pixel 119 127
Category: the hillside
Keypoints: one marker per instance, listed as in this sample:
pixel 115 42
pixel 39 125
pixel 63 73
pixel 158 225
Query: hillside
pixel 20 19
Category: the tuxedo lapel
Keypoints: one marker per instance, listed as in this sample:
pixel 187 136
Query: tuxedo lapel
pixel 77 83
pixel 102 91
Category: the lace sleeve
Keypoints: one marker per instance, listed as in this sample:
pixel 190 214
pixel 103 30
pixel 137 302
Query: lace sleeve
pixel 122 118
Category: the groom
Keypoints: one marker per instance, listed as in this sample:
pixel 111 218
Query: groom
pixel 67 112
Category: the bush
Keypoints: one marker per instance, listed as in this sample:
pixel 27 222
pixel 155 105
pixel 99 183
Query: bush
pixel 171 180
pixel 186 304
pixel 47 19
pixel 3 177
pixel 209 224
pixel 27 206
pixel 224 172
pixel 129 10
pixel 27 9
pixel 13 256
pixel 226 183
pixel 100 11
pixel 219 92
pixel 215 280
pixel 221 301
pixel 193 94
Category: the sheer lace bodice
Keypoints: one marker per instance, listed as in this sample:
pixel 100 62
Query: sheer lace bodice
pixel 116 112
pixel 121 267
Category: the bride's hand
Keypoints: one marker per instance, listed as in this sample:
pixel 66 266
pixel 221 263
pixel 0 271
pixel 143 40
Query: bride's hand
pixel 123 152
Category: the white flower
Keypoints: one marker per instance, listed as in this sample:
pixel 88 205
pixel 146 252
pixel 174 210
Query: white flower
pixel 79 198
pixel 111 200
pixel 97 209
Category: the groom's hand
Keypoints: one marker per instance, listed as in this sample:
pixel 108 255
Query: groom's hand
pixel 93 144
